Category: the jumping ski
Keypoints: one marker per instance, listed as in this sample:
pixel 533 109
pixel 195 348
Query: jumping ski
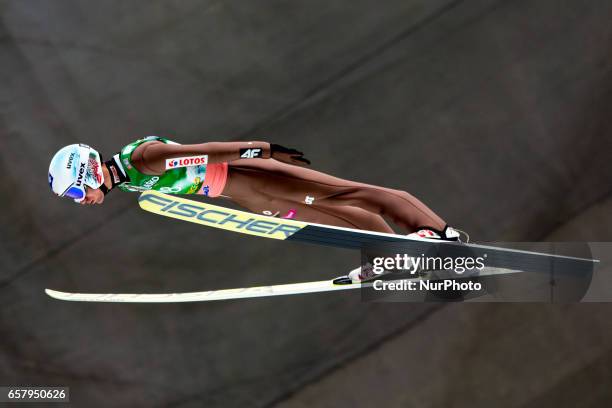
pixel 499 260
pixel 238 293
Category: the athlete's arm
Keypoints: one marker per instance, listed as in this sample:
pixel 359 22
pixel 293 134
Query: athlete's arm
pixel 150 157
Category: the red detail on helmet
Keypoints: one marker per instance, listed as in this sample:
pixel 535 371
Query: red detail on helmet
pixel 95 169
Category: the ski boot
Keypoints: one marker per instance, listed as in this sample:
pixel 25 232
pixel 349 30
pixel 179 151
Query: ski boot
pixel 448 234
pixel 357 275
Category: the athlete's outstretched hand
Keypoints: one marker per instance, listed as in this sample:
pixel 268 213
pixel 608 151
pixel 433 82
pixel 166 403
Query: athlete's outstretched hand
pixel 286 155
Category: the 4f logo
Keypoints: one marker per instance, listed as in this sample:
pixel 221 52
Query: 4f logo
pixel 309 200
pixel 250 153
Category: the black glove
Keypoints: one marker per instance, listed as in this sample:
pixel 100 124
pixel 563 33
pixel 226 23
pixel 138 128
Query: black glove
pixel 287 155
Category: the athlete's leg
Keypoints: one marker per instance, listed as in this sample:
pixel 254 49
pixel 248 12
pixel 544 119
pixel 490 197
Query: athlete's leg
pixel 341 216
pixel 273 180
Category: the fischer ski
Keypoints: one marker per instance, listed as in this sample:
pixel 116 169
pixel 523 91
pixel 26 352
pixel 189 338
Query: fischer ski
pixel 300 231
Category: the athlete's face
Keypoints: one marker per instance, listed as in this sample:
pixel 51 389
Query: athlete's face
pixel 93 196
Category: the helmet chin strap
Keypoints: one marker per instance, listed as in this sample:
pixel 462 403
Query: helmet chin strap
pixel 116 176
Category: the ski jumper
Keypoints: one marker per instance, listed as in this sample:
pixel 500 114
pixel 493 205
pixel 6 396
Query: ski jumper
pixel 275 188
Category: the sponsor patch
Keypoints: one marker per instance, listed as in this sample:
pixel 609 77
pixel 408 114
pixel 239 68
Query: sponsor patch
pixel 195 187
pixel 186 161
pixel 70 159
pixel 219 217
pixel 151 182
pixel 250 153
pixel 116 179
pixel 79 180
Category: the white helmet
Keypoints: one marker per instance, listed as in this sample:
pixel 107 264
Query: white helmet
pixel 72 168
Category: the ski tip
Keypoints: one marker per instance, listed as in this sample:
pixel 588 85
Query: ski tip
pixel 53 293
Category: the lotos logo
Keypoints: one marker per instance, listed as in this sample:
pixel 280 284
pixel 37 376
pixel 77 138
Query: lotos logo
pixel 79 180
pixel 186 161
pixel 70 159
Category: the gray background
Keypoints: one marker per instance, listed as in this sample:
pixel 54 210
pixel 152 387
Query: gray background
pixel 496 113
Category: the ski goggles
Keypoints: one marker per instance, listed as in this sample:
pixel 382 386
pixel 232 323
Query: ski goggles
pixel 74 192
